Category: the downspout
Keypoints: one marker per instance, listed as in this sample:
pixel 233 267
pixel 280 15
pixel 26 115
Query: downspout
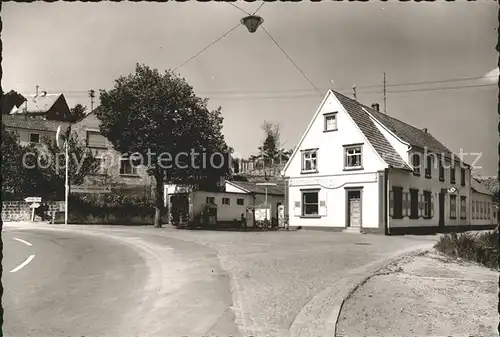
pixel 387 198
pixel 253 210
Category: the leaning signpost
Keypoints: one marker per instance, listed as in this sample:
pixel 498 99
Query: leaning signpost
pixel 35 203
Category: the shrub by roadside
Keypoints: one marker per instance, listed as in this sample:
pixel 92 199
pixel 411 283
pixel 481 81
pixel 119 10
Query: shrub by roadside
pixel 476 247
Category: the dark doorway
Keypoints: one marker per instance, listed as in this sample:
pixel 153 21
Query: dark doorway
pixel 442 195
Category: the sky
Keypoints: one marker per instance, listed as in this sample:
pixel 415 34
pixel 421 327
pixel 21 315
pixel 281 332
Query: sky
pixel 74 47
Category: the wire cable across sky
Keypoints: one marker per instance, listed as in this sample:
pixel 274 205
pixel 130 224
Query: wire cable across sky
pixel 211 44
pixel 290 59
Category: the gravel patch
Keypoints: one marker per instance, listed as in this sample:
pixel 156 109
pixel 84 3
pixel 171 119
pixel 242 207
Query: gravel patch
pixel 427 295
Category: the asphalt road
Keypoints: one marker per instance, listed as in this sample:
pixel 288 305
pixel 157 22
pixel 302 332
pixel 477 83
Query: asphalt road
pixel 142 281
pixel 78 284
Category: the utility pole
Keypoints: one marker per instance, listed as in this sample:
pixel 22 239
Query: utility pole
pixel 354 92
pixel 91 95
pixel 36 90
pixel 385 95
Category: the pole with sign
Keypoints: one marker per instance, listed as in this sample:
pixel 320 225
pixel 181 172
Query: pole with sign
pixel 62 139
pixel 266 184
pixel 34 205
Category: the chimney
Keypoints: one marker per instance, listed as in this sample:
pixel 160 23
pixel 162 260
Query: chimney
pixel 424 130
pixel 376 106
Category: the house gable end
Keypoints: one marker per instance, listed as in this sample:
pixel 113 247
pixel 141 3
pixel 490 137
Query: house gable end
pixel 330 144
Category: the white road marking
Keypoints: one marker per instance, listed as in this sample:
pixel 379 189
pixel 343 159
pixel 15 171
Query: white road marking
pixel 22 265
pixel 25 242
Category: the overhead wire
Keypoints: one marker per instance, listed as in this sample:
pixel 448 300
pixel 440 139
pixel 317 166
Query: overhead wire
pixel 263 3
pixel 208 46
pixel 241 9
pixel 309 95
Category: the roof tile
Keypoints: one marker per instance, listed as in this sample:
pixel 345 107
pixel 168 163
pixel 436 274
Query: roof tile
pixel 371 132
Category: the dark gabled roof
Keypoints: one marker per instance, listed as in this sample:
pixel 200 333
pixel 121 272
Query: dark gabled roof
pixel 491 184
pixel 252 187
pixel 39 104
pixel 30 123
pixel 414 136
pixel 371 132
pixel 479 187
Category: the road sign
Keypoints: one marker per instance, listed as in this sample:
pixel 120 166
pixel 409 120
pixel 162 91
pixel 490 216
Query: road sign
pixel 33 199
pixel 35 205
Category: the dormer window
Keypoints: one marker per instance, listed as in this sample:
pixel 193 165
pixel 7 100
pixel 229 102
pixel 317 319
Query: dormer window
pixel 416 160
pixel 309 161
pixel 330 121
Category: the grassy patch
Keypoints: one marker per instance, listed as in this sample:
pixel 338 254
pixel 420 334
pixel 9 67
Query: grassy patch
pixel 475 247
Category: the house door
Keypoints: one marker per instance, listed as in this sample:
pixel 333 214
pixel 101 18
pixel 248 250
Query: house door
pixel 441 209
pixel 354 215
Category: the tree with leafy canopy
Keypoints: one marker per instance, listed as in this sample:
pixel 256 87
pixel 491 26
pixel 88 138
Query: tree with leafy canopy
pixel 78 112
pixel 271 152
pixel 12 172
pixel 158 117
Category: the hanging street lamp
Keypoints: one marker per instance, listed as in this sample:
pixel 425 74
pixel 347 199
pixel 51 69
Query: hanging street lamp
pixel 252 22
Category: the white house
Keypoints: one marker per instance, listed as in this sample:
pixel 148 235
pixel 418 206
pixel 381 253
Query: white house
pixel 237 199
pixel 483 209
pixel 356 168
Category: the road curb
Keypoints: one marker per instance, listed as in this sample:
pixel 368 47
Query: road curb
pixel 320 315
pixel 365 279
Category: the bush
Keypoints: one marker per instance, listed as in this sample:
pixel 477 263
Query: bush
pixel 480 247
pixel 105 204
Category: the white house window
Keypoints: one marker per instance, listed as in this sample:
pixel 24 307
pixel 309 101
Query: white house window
pixel 463 205
pixel 330 122
pixel 240 202
pixel 427 204
pixel 309 161
pixel 226 201
pixel 210 200
pixel 473 209
pixel 127 167
pixel 34 137
pixel 352 157
pixel 453 206
pixel 310 203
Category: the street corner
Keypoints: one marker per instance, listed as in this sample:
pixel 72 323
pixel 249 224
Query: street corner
pixel 429 294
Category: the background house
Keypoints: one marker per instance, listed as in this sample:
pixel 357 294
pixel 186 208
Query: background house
pixel 117 173
pixel 237 199
pixel 31 130
pixel 44 105
pixel 484 210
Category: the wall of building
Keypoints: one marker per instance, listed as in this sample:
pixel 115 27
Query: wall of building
pixel 229 212
pixel 488 214
pixel 408 180
pixel 330 144
pixel 21 211
pixel 24 135
pixel 333 193
pixel 111 160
